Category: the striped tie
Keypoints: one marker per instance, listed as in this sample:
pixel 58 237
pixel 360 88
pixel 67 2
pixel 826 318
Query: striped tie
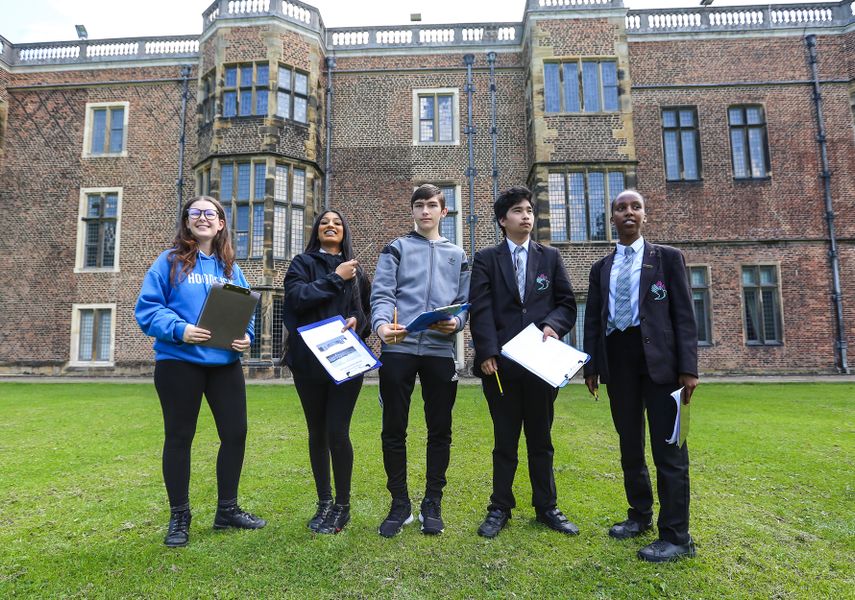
pixel 623 295
pixel 519 267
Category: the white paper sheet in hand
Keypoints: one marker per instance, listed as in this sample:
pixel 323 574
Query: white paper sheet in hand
pixel 681 420
pixel 553 361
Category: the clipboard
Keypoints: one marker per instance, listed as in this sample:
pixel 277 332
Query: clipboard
pixel 342 354
pixel 553 361
pixel 428 318
pixel 226 314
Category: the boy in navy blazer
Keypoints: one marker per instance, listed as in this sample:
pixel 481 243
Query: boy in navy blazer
pixel 641 334
pixel 516 283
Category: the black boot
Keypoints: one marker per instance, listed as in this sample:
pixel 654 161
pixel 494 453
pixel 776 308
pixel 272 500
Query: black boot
pixel 336 519
pixel 178 533
pixel 232 515
pixel 324 507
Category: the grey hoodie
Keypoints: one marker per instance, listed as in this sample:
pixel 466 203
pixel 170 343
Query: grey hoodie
pixel 415 274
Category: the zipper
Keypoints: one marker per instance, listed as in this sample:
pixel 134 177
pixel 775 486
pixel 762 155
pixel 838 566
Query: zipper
pixel 429 289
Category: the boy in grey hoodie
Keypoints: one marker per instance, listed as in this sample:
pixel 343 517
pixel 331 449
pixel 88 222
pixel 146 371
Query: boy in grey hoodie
pixel 418 272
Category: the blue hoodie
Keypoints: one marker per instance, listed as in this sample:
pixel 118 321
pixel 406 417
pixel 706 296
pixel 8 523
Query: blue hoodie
pixel 164 310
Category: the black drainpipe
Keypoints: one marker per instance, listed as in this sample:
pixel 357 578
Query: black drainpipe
pixel 494 133
pixel 328 159
pixel 471 172
pixel 837 295
pixel 179 184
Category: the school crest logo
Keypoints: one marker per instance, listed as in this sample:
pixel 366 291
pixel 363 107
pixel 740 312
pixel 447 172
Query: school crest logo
pixel 658 290
pixel 542 282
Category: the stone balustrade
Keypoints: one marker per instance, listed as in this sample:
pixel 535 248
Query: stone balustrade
pixel 288 10
pixel 486 34
pixel 90 51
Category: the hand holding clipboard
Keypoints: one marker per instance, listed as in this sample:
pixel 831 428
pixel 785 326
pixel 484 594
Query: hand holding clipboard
pixel 225 316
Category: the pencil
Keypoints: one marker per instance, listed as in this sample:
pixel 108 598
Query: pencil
pixel 395 322
pixel 499 381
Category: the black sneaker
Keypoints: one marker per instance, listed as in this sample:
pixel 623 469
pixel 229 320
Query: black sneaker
pixel 235 516
pixel 335 520
pixel 430 516
pixel 178 533
pixel 494 522
pixel 400 514
pixel 324 507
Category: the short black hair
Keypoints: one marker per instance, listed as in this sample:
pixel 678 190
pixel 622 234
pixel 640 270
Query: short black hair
pixel 509 198
pixel 426 191
pixel 628 192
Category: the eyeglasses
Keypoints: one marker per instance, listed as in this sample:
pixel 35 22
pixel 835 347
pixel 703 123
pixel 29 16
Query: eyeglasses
pixel 195 213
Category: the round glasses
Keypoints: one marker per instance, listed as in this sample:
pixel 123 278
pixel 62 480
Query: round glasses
pixel 195 213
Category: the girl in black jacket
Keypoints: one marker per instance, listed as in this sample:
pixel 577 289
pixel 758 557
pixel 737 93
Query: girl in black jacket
pixel 322 282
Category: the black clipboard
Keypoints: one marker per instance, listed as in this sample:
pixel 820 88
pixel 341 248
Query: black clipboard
pixel 226 313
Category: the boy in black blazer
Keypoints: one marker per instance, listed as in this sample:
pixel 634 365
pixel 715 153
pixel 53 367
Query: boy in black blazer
pixel 516 283
pixel 641 334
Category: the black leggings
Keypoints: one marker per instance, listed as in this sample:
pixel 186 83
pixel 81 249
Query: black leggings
pixel 180 386
pixel 328 408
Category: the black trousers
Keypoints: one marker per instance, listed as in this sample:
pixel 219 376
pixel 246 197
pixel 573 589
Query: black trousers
pixel 528 403
pixel 631 392
pixel 438 377
pixel 180 386
pixel 328 408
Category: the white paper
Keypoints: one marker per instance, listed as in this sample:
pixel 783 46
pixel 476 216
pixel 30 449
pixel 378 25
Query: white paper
pixel 553 361
pixel 675 437
pixel 341 353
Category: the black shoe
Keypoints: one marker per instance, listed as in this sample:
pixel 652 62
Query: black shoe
pixel 663 551
pixel 430 515
pixel 337 517
pixel 178 533
pixel 234 516
pixel 555 519
pixel 323 508
pixel 629 529
pixel 400 514
pixel 494 522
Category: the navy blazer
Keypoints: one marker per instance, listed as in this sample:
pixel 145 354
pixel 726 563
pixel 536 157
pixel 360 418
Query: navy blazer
pixel 668 328
pixel 498 314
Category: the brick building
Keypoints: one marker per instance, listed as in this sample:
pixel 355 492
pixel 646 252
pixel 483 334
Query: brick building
pixel 710 112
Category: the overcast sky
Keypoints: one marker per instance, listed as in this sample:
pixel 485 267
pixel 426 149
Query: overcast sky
pixel 54 20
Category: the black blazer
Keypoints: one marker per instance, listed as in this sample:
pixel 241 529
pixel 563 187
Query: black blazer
pixel 668 328
pixel 497 314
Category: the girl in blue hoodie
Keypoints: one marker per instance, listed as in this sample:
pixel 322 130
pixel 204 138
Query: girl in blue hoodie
pixel 171 300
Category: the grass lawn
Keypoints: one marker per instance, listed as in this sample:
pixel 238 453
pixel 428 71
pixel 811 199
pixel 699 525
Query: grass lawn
pixel 83 509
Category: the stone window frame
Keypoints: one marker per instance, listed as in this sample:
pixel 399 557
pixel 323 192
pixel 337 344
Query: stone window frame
pixel 455 117
pixel 80 251
pixel 234 202
pixel 208 96
pixel 289 90
pixel 579 62
pixel 679 129
pixel 562 203
pixel 746 128
pixel 74 348
pixel 241 86
pixel 89 122
pixel 702 289
pixel 275 317
pixel 763 339
pixel 293 239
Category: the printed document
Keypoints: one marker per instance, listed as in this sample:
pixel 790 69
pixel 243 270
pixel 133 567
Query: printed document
pixel 553 361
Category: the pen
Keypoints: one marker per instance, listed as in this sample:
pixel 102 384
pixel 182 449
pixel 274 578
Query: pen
pixel 499 381
pixel 395 322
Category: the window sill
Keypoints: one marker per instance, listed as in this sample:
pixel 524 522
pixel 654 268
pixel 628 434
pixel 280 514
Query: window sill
pixel 582 113
pixel 96 269
pixel 752 179
pixel 441 144
pixel 122 154
pixel 764 344
pixel 705 344
pixel 684 181
pixel 91 364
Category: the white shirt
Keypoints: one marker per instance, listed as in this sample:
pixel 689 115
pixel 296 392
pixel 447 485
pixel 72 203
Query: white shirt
pixel 634 281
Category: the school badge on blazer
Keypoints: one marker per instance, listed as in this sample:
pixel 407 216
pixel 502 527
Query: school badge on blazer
pixel 542 282
pixel 658 290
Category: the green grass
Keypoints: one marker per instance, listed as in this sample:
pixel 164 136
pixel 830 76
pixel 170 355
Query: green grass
pixel 83 509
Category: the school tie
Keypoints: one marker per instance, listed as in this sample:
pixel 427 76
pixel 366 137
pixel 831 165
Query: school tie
pixel 519 267
pixel 623 292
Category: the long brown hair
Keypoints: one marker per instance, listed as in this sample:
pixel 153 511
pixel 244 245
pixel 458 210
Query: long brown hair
pixel 185 247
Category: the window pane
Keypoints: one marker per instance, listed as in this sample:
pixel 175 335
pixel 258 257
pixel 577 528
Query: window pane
pixel 610 85
pixel 231 76
pixel 246 75
pixel 261 102
pixel 93 206
pixel 280 188
pixel 672 155
pixel 754 115
pixel 104 318
pixel 616 185
pixel 245 103
pixel 296 231
pixel 260 175
pixel 280 230
pixel 227 209
pixel 300 110
pixel 669 118
pixel 737 141
pixel 571 87
pixel 426 107
pixel 109 245
pixel 699 304
pixel 87 331
pixel 578 214
pixel 226 182
pixel 299 191
pixel 591 86
pixel 735 116
pixel 579 327
pixel 243 181
pixel 284 78
pixel 301 83
pixel 278 316
pixel 255 347
pixel 690 158
pixel 446 119
pixel 117 126
pixel 242 231
pixel 758 155
pixel 450 194
pixel 751 316
pixel 229 104
pixel 597 204
pixel 770 329
pixel 111 203
pixel 257 229
pixel 749 276
pixel 426 131
pixel 698 276
pixel 262 73
pixel 283 105
pixel 99 130
pixel 93 231
pixel 551 87
pixel 767 276
pixel 687 118
pixel 557 207
pixel 448 228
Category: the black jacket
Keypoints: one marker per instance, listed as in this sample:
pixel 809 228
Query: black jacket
pixel 314 292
